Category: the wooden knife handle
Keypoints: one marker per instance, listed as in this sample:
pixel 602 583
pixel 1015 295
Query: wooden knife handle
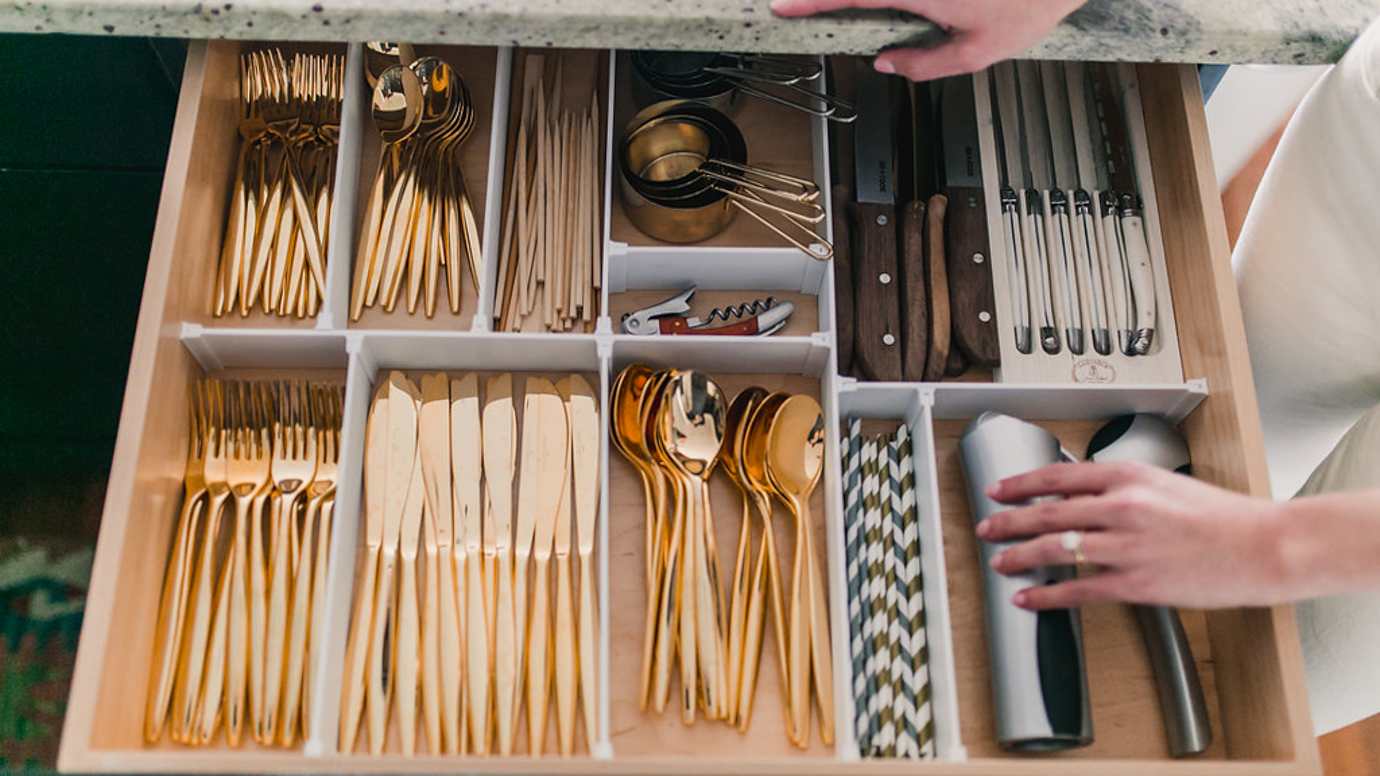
pixel 938 285
pixel 914 301
pixel 876 284
pixel 843 281
pixel 970 280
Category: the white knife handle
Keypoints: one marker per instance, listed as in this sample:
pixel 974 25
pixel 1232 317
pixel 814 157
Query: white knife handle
pixel 1015 256
pixel 1090 280
pixel 1040 297
pixel 1114 260
pixel 1142 277
pixel 1064 272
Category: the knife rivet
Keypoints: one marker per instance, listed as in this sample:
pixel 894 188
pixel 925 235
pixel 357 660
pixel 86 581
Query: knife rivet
pixel 888 339
pixel 881 220
pixel 884 278
pixel 978 258
pixel 985 316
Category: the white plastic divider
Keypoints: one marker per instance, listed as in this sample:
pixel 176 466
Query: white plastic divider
pixel 788 355
pixel 493 194
pixel 332 618
pixel 216 348
pixel 340 249
pixel 911 403
pixel 1067 401
pixel 603 748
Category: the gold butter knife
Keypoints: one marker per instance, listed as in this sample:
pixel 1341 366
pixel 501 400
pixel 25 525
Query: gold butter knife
pixel 407 640
pixel 543 484
pixel 441 668
pixel 357 648
pixel 583 410
pixel 500 453
pixel 466 446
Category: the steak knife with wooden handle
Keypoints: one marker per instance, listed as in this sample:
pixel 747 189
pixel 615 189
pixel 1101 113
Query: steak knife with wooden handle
pixel 877 335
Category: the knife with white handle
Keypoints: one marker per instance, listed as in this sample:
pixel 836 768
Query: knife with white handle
pixel 1008 148
pixel 1073 107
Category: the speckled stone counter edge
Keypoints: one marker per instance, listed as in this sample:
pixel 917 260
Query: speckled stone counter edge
pixel 1281 31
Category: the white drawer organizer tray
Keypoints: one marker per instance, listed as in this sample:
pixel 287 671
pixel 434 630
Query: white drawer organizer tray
pixel 1248 659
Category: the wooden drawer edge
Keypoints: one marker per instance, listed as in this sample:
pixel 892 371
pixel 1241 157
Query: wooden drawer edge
pixel 1185 181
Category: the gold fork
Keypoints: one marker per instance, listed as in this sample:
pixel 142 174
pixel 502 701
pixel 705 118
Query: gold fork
pixel 291 471
pixel 177 580
pixel 246 470
pixel 192 658
pixel 320 510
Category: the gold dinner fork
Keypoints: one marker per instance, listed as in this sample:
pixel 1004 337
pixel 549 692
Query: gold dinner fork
pixel 177 580
pixel 246 470
pixel 317 531
pixel 291 471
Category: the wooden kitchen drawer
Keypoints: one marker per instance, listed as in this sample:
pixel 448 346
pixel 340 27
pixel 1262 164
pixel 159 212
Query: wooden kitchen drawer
pixel 1249 659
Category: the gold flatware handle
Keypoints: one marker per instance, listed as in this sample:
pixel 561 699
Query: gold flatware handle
pixel 539 657
pixel 357 654
pixel 450 636
pixel 406 654
pixel 192 662
pixel 588 652
pixel 257 570
pixel 690 540
pixel 430 671
pixel 238 646
pixel 505 654
pixel 366 267
pixel 479 672
pixel 212 704
pixel 274 645
pixel 318 587
pixel 172 611
pixel 798 642
pixel 754 622
pixel 821 651
pixel 566 654
pixel 299 620
pixel 709 608
pixel 379 676
pixel 737 617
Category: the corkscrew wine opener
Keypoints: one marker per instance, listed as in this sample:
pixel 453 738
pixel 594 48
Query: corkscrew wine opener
pixel 757 318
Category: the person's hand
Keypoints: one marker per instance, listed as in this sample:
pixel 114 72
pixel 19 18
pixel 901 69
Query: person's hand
pixel 980 31
pixel 1158 538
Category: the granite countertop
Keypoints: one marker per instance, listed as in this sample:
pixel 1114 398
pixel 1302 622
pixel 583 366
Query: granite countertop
pixel 1288 31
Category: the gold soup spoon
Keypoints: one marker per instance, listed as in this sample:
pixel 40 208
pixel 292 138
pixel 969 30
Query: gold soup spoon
pixel 628 390
pixel 795 459
pixel 690 431
pixel 664 605
pixel 730 454
pixel 766 577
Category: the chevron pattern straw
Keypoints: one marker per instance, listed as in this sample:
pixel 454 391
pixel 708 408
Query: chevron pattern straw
pixel 853 541
pixel 885 597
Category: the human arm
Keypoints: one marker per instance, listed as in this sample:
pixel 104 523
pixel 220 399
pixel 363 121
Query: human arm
pixel 980 31
pixel 1165 538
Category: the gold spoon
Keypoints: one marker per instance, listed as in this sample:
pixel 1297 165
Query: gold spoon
pixel 665 608
pixel 628 390
pixel 690 431
pixel 730 453
pixel 795 459
pixel 766 576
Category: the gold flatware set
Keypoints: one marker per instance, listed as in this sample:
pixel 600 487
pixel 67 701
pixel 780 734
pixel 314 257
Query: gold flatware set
pixel 467 602
pixel 234 638
pixel 675 427
pixel 419 221
pixel 274 253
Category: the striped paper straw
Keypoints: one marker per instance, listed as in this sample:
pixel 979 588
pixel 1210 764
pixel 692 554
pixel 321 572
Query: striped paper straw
pixel 920 723
pixel 902 679
pixel 874 602
pixel 853 541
